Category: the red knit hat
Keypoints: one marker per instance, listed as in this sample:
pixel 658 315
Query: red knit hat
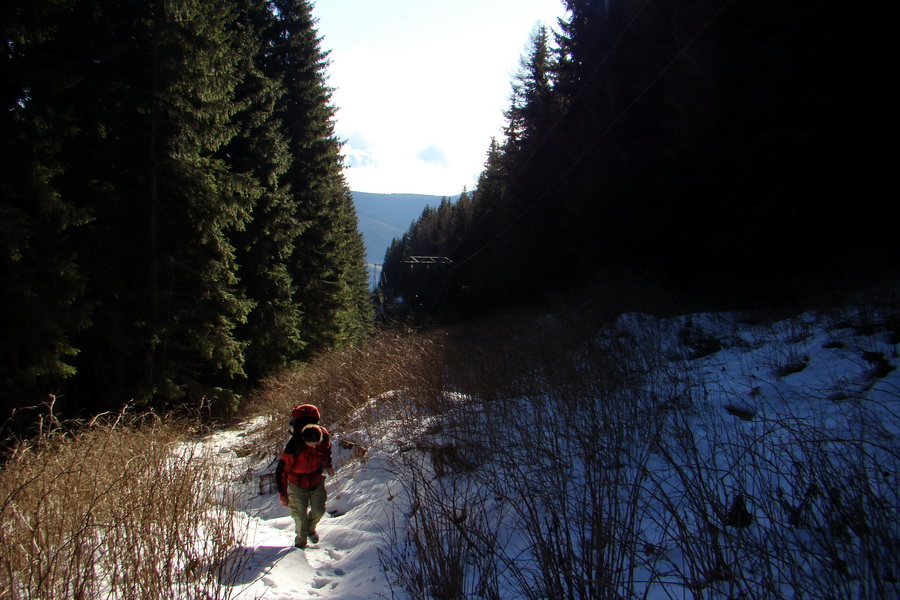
pixel 305 411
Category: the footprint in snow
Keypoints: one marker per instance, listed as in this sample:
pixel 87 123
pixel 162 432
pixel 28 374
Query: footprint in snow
pixel 320 582
pixel 333 554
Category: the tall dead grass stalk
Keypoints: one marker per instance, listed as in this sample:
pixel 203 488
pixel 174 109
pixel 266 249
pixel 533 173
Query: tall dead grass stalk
pixel 120 507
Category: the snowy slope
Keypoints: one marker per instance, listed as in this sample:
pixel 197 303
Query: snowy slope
pixel 750 383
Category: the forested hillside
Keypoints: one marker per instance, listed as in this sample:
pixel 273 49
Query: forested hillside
pixel 724 149
pixel 174 221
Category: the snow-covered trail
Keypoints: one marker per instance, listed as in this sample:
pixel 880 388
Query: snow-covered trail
pixel 344 563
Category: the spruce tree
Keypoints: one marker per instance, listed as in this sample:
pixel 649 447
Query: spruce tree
pixel 163 80
pixel 531 115
pixel 273 330
pixel 484 277
pixel 205 221
pixel 196 202
pixel 328 264
pixel 41 281
pixel 533 151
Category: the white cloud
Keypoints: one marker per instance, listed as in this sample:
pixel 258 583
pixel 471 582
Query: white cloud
pixel 433 155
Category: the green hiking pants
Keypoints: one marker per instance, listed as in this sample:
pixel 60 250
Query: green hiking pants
pixel 307 508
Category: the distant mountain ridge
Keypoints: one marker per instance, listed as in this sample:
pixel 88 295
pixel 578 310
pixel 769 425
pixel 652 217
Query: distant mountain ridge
pixel 383 217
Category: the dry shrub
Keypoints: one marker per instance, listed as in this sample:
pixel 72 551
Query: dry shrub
pixel 539 396
pixel 448 548
pixel 403 367
pixel 120 507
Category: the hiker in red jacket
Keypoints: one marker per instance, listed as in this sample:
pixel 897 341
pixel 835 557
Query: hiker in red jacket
pixel 299 475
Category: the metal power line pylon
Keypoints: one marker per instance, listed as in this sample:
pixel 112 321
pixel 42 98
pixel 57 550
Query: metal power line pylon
pixel 427 260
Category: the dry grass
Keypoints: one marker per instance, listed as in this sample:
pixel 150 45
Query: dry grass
pixel 403 368
pixel 119 507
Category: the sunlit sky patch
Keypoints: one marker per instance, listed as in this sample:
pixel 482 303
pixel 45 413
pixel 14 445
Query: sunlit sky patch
pixel 421 86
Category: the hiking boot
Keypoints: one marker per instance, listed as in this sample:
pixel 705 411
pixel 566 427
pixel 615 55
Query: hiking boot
pixel 313 537
pixel 299 542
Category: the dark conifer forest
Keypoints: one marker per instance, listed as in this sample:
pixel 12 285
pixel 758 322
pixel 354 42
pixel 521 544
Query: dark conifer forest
pixel 175 225
pixel 726 152
pixel 174 221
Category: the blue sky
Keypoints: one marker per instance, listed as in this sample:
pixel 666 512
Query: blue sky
pixel 421 85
